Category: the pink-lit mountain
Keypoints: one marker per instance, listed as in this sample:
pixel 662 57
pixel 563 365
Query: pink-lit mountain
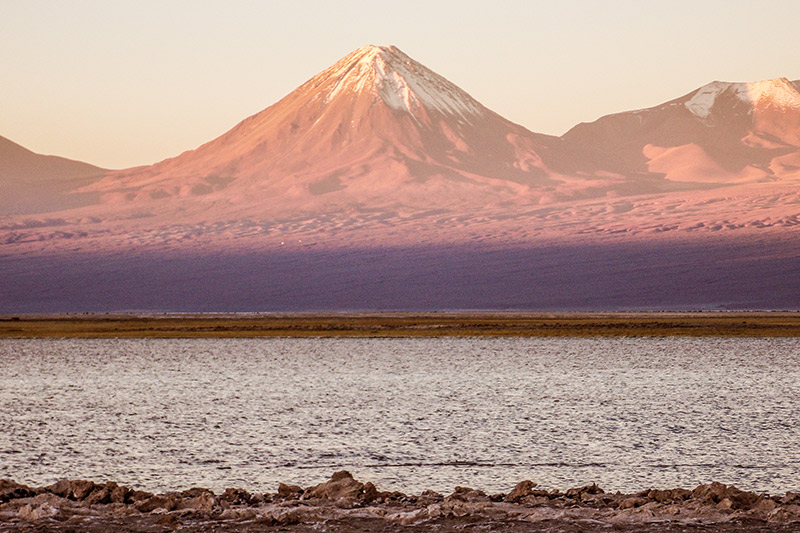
pixel 722 133
pixel 378 184
pixel 34 183
pixel 377 130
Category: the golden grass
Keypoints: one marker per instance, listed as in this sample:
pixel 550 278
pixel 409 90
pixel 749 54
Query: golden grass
pixel 701 324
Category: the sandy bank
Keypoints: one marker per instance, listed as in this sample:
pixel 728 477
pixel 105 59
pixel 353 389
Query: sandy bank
pixel 444 324
pixel 345 504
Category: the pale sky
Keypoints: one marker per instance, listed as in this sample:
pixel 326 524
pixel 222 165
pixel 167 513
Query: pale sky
pixel 118 83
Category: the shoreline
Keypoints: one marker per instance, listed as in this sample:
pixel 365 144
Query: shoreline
pixel 394 324
pixel 345 504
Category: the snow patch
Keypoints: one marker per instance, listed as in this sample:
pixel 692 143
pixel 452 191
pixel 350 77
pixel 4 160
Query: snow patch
pixel 780 92
pixel 400 81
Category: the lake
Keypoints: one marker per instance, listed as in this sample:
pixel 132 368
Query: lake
pixel 406 414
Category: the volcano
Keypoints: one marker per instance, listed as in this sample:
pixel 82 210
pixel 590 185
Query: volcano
pixel 376 131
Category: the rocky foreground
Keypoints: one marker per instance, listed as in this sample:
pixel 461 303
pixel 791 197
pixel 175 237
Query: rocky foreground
pixel 345 504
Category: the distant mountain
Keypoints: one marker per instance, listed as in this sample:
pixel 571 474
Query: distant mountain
pixel 377 130
pixel 721 133
pixel 34 183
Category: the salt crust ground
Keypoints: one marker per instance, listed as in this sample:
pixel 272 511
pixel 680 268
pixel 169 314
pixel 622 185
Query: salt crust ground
pixel 345 504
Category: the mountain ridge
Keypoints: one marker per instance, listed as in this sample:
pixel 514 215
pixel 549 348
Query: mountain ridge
pixel 34 183
pixel 379 136
pixel 720 131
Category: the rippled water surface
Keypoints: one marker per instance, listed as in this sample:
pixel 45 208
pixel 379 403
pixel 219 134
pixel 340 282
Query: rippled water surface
pixel 407 414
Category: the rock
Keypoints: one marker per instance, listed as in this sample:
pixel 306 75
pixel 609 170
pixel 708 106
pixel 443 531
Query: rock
pixel 408 518
pixel 435 511
pixel 168 502
pixel 286 517
pixel 395 496
pixel 195 492
pixel 785 513
pixel 631 503
pixel 342 475
pixel 237 514
pixel 289 491
pixel 61 488
pixel 725 504
pixel 118 494
pixel 168 520
pixel 766 505
pixel 236 497
pixel 370 492
pixel 521 490
pixel 11 490
pixel 714 493
pixel 669 496
pixel 138 495
pixel 791 498
pixel 100 495
pixel 341 488
pixel 586 489
pixel 77 489
pixel 91 493
pixel 428 497
pixel 81 489
pixel 31 512
pixel 466 494
pixel 202 500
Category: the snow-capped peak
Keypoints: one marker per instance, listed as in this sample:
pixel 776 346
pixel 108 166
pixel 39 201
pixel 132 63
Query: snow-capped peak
pixel 400 81
pixel 778 91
